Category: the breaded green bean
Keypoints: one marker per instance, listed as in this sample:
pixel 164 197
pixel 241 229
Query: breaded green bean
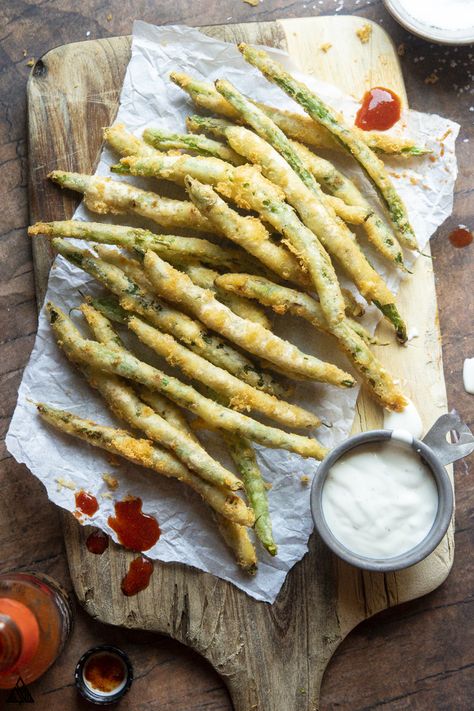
pixel 241 396
pixel 171 247
pixel 111 197
pixel 348 138
pixel 166 140
pixel 250 336
pixel 237 539
pixel 187 330
pixel 376 228
pixel 378 380
pixel 334 235
pixel 176 167
pixel 126 143
pixel 208 124
pixel 301 128
pixel 247 232
pixel 121 362
pixel 205 278
pixel 246 462
pixel 146 454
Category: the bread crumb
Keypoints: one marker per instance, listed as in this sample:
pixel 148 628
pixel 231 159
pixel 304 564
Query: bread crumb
pixel 110 480
pixel 66 484
pixel 364 33
pixel 254 3
pixel 433 159
pixel 109 17
pixel 401 50
pixel 432 78
pixel 304 479
pixel 106 495
pixel 325 47
pixel 25 52
pixel 413 180
pixel 30 62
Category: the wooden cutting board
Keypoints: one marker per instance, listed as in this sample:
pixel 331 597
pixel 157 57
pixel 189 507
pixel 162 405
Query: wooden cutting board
pixel 272 657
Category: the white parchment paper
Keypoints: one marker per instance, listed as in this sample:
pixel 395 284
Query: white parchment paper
pixel 65 465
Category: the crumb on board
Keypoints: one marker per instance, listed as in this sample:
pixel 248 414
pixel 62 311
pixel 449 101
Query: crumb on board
pixel 401 50
pixel 254 3
pixel 431 78
pixel 304 479
pixel 31 62
pixel 325 47
pixel 109 17
pixel 25 52
pixel 110 481
pixel 364 33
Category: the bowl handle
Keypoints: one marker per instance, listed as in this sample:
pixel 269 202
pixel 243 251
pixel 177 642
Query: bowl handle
pixel 448 452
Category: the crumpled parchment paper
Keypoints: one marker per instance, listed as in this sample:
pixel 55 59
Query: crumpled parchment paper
pixel 65 465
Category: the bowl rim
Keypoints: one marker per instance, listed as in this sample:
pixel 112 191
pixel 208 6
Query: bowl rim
pixel 416 554
pixel 427 32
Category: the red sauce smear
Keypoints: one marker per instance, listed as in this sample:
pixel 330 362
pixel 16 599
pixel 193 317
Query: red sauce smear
pixel 104 672
pixel 135 530
pixel 380 109
pixel 138 576
pixel 86 503
pixel 97 542
pixel 461 237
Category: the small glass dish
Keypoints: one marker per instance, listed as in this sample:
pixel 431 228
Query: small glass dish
pixel 435 451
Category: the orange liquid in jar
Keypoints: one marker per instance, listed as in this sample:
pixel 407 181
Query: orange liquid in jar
pixel 35 622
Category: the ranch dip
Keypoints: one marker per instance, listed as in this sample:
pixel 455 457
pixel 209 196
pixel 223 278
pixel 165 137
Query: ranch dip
pixel 380 499
pixel 443 14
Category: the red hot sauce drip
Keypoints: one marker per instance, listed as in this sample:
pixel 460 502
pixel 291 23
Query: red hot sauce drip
pixel 86 503
pixel 380 110
pixel 97 542
pixel 138 576
pixel 104 672
pixel 461 237
pixel 135 530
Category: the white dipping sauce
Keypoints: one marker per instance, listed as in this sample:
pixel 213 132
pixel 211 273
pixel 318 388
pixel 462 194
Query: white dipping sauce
pixel 468 375
pixel 444 14
pixel 380 499
pixel 408 420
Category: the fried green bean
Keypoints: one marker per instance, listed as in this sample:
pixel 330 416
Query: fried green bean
pixel 351 140
pixel 246 462
pixel 250 336
pixel 173 248
pixel 240 395
pixel 379 382
pixel 105 196
pixel 166 140
pixel 126 143
pixel 376 228
pixel 146 454
pixel 187 330
pixel 247 232
pixel 121 362
pixel 297 126
pixel 334 235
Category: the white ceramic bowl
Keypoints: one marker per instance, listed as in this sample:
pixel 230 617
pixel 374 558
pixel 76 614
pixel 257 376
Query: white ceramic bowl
pixel 428 32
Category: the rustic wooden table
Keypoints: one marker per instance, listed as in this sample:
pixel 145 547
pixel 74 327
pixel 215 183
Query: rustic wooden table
pixel 417 656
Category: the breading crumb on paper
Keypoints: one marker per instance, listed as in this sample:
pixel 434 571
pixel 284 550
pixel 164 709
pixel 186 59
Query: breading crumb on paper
pixel 110 481
pixel 325 47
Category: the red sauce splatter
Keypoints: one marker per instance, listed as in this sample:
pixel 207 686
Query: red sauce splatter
pixel 104 672
pixel 461 237
pixel 97 542
pixel 138 576
pixel 86 503
pixel 380 109
pixel 135 530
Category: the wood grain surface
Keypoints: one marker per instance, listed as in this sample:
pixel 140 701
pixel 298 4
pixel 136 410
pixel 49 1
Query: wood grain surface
pixel 432 690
